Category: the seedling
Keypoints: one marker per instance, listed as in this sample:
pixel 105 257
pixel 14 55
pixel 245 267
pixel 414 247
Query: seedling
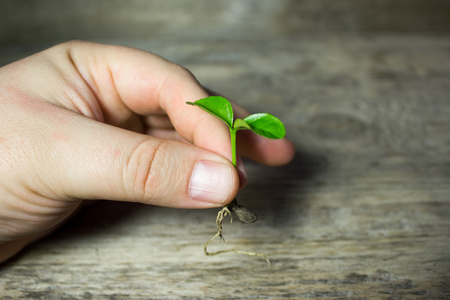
pixel 263 124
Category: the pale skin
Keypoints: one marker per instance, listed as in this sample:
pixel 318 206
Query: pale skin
pixel 83 121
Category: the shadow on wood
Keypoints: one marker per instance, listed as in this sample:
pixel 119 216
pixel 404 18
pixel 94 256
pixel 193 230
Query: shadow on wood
pixel 278 193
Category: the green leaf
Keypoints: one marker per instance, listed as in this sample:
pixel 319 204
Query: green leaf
pixel 217 106
pixel 266 125
pixel 240 124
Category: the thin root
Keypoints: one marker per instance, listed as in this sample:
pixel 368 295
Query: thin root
pixel 219 220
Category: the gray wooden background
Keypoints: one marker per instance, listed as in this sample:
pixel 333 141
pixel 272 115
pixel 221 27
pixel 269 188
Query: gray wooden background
pixel 363 212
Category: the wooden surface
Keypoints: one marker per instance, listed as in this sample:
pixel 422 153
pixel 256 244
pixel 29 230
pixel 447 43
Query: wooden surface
pixel 363 211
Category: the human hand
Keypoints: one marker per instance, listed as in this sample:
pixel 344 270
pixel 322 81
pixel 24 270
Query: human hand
pixel 88 121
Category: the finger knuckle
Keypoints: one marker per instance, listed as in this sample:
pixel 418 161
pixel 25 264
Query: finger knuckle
pixel 144 170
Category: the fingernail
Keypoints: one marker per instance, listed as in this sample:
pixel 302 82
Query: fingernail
pixel 210 182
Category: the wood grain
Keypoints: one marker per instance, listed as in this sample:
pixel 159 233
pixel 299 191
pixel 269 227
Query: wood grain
pixel 361 213
pixel 32 21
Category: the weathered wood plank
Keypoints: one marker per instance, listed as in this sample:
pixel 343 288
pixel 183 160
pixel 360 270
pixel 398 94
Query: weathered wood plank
pixel 362 212
pixel 31 21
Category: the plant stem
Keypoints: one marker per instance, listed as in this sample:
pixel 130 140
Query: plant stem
pixel 233 157
pixel 233 146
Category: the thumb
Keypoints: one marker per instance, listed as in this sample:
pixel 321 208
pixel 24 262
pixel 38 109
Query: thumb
pixel 93 160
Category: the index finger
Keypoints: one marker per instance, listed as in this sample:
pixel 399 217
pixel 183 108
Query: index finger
pixel 127 80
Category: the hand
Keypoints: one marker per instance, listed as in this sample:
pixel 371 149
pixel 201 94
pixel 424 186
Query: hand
pixel 88 121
